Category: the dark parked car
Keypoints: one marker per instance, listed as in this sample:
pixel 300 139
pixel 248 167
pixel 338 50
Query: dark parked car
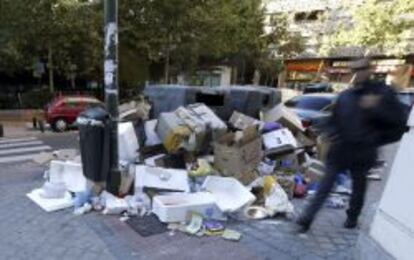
pixel 318 88
pixel 312 108
pixel 63 110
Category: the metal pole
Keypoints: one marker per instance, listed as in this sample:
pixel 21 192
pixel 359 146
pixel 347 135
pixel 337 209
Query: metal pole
pixel 111 90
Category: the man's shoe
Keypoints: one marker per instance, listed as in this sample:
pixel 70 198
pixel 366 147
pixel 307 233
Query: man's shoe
pixel 302 227
pixel 350 223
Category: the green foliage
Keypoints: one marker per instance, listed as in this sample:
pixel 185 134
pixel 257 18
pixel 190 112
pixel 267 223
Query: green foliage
pixel 36 98
pixel 70 28
pixel 377 25
pixel 178 33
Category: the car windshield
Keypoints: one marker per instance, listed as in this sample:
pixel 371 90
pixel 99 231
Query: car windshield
pixel 314 103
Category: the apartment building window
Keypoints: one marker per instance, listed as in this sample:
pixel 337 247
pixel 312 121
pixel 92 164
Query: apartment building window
pixel 308 16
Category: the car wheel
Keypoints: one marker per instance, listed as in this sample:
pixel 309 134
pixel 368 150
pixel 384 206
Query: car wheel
pixel 60 125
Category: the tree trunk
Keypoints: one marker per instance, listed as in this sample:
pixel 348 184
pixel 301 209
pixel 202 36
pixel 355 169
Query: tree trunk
pixel 167 66
pixel 50 67
pixel 72 82
pixel 256 77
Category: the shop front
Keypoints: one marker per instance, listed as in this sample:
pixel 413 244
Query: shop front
pixel 303 70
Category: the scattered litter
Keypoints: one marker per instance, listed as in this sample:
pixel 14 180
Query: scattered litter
pixel 174 208
pixel 256 212
pixel 234 156
pixel 139 204
pixel 123 218
pixel 50 205
pixel 83 210
pixel 232 235
pixel 277 201
pixel 266 167
pixel 161 178
pixel 278 139
pixel 68 172
pixel 284 116
pixel 53 190
pixel 113 205
pixel 201 168
pixel 134 110
pixel 241 121
pixel 147 226
pixel 127 142
pixel 195 225
pixel 271 126
pixel 335 202
pixel 152 137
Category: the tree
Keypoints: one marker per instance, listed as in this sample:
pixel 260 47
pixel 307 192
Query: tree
pixel 65 33
pixel 181 33
pixel 377 25
pixel 278 44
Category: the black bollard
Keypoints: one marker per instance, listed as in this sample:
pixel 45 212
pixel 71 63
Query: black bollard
pixel 34 120
pixel 41 126
pixel 1 130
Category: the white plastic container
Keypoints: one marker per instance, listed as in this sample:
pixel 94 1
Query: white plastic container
pixel 229 194
pixel 176 207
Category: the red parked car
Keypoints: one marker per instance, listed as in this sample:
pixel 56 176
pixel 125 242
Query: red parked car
pixel 62 112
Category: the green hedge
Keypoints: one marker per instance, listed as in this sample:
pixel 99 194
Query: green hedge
pixel 36 99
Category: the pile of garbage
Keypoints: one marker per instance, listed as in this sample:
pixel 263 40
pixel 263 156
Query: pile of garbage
pixel 193 170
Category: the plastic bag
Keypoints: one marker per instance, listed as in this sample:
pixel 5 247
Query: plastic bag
pixel 277 201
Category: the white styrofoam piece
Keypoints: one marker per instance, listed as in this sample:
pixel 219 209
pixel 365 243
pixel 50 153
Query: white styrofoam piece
pixel 68 172
pixel 279 138
pixel 50 205
pixel 230 195
pixel 128 143
pixel 152 137
pixel 161 178
pixel 175 207
pixel 151 160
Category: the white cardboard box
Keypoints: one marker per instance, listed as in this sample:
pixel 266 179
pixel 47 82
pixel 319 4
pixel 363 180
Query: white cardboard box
pixel 68 172
pixel 174 208
pixel 128 143
pixel 279 138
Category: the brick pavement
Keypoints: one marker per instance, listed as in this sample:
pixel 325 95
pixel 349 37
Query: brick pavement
pixel 26 231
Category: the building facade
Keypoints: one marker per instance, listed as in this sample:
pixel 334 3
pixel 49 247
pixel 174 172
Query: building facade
pixel 315 19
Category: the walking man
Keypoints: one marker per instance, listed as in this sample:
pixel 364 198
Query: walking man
pixel 366 116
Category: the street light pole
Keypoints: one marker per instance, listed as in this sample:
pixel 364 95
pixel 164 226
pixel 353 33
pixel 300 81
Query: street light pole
pixel 111 90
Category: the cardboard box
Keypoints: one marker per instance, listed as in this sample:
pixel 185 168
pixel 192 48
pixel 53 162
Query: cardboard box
pixel 241 121
pixel 172 131
pixel 283 115
pixel 235 155
pixel 279 139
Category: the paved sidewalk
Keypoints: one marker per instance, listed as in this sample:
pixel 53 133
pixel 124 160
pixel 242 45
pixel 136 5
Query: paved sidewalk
pixel 26 231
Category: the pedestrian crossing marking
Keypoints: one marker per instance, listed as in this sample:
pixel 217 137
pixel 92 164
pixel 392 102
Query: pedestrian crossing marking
pixel 10 145
pixel 13 140
pixel 14 150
